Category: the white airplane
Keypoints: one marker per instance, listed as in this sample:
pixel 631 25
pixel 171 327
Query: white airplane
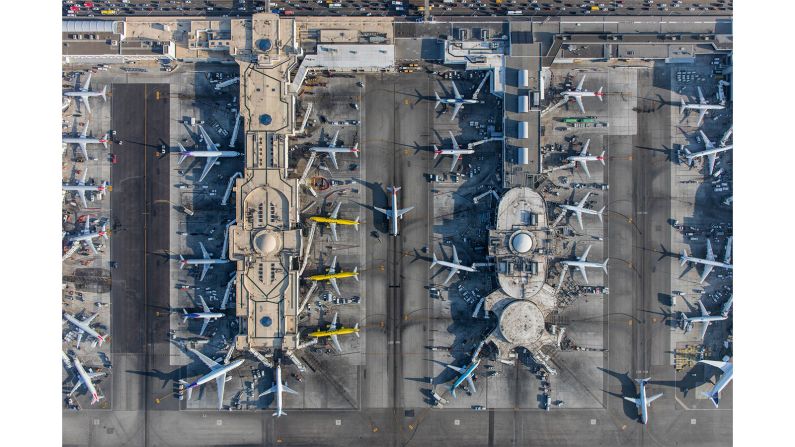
pixel 464 374
pixel 643 402
pixel 332 150
pixel 83 140
pixel 205 315
pixel 87 237
pixel 84 379
pixel 457 100
pixel 84 93
pixel 81 188
pixel 454 266
pixel 728 374
pixel 456 152
pixel 710 152
pixel 217 371
pixel 206 262
pixel 84 327
pixel 394 213
pixel 705 318
pixel 579 93
pixel 584 157
pixel 702 106
pixel 581 264
pixel 212 153
pixel 279 387
pixel 709 263
pixel 579 209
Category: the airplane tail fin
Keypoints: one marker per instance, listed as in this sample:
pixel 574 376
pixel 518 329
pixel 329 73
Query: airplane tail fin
pixel 104 90
pixel 356 330
pixel 181 262
pixel 604 265
pixel 599 214
pixel 183 153
pixel 105 140
pixel 188 389
pixel 279 412
pixel 436 152
pixel 599 94
pixel 643 381
pixel 452 391
pixel 356 273
pixel 435 260
pixel 714 397
pixel 103 231
pixel 682 105
pixel 394 189
pixel 356 225
pixel 683 257
pixel 185 313
pixel 356 150
pixel 438 100
pixel 602 158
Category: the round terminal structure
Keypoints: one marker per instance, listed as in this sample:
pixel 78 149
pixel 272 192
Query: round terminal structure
pixel 522 323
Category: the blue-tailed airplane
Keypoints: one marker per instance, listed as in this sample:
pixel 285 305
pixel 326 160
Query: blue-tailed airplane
pixel 465 374
pixel 728 374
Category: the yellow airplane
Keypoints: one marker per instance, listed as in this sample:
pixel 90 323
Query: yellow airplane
pixel 332 275
pixel 332 332
pixel 333 221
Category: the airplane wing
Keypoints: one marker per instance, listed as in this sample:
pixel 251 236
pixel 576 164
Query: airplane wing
pixel 584 256
pixel 582 81
pixel 633 400
pixel 582 272
pixel 334 140
pixel 471 384
pixel 701 96
pixel 453 271
pixel 207 166
pixel 90 243
pixel 707 144
pixel 456 108
pixel 85 130
pixel 579 103
pixel 454 162
pixel 333 227
pixel 204 305
pixel 88 320
pixel 701 114
pixel 455 256
pixel 87 84
pixel 336 342
pixel 717 364
pixel 204 326
pixel 333 282
pixel 704 312
pixel 205 269
pixel 728 255
pixel 584 150
pixel 333 158
pixel 288 389
pixel 207 141
pixel 79 337
pixel 704 329
pixel 333 324
pixel 205 254
pixel 83 149
pixel 387 212
pixel 562 277
pixel 336 211
pixel 94 375
pixel 76 387
pixel 457 369
pixel 705 273
pixel 584 200
pixel 579 218
pixel 220 381
pixel 85 103
pixel 710 254
pixel 332 268
pixel 455 91
pixel 584 165
pixel 212 364
pixel 400 213
pixel 455 143
pixel 82 195
pixel 711 161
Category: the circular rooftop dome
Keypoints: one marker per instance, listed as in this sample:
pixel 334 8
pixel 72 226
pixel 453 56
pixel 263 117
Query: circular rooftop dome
pixel 521 242
pixel 521 322
pixel 267 243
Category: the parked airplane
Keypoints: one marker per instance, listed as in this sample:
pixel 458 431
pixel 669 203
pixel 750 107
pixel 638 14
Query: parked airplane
pixel 84 93
pixel 710 152
pixel 84 379
pixel 333 221
pixel 333 275
pixel 702 106
pixel 456 152
pixel 457 101
pixel 464 374
pixel 81 188
pixel 728 373
pixel 217 371
pixel 332 150
pixel 84 327
pixel 212 153
pixel 394 213
pixel 454 266
pixel 205 315
pixel 333 332
pixel 83 140
pixel 705 318
pixel 279 387
pixel 584 157
pixel 579 209
pixel 87 237
pixel 580 93
pixel 581 264
pixel 643 402
pixel 206 262
pixel 709 263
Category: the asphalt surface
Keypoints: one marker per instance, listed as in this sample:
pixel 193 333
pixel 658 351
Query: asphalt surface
pixel 139 235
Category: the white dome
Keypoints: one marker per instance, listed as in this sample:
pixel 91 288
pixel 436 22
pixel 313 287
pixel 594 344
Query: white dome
pixel 522 243
pixel 267 243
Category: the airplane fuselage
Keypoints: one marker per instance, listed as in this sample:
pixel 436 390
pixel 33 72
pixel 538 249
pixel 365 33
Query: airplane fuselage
pixel 279 390
pixel 708 262
pixel 328 276
pixel 707 152
pixel 82 94
pixel 338 150
pixel 208 154
pixel 204 261
pixel 455 152
pixel 705 319
pixel 98 188
pixel 584 158
pixel 212 375
pixel 330 220
pixel 644 414
pixel 204 315
pixel 703 107
pixel 86 381
pixel 578 264
pixel 394 220
pixel 575 209
pixel 78 140
pixel 458 101
pixel 340 331
pixel 455 266
pixel 582 94
pixel 467 372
